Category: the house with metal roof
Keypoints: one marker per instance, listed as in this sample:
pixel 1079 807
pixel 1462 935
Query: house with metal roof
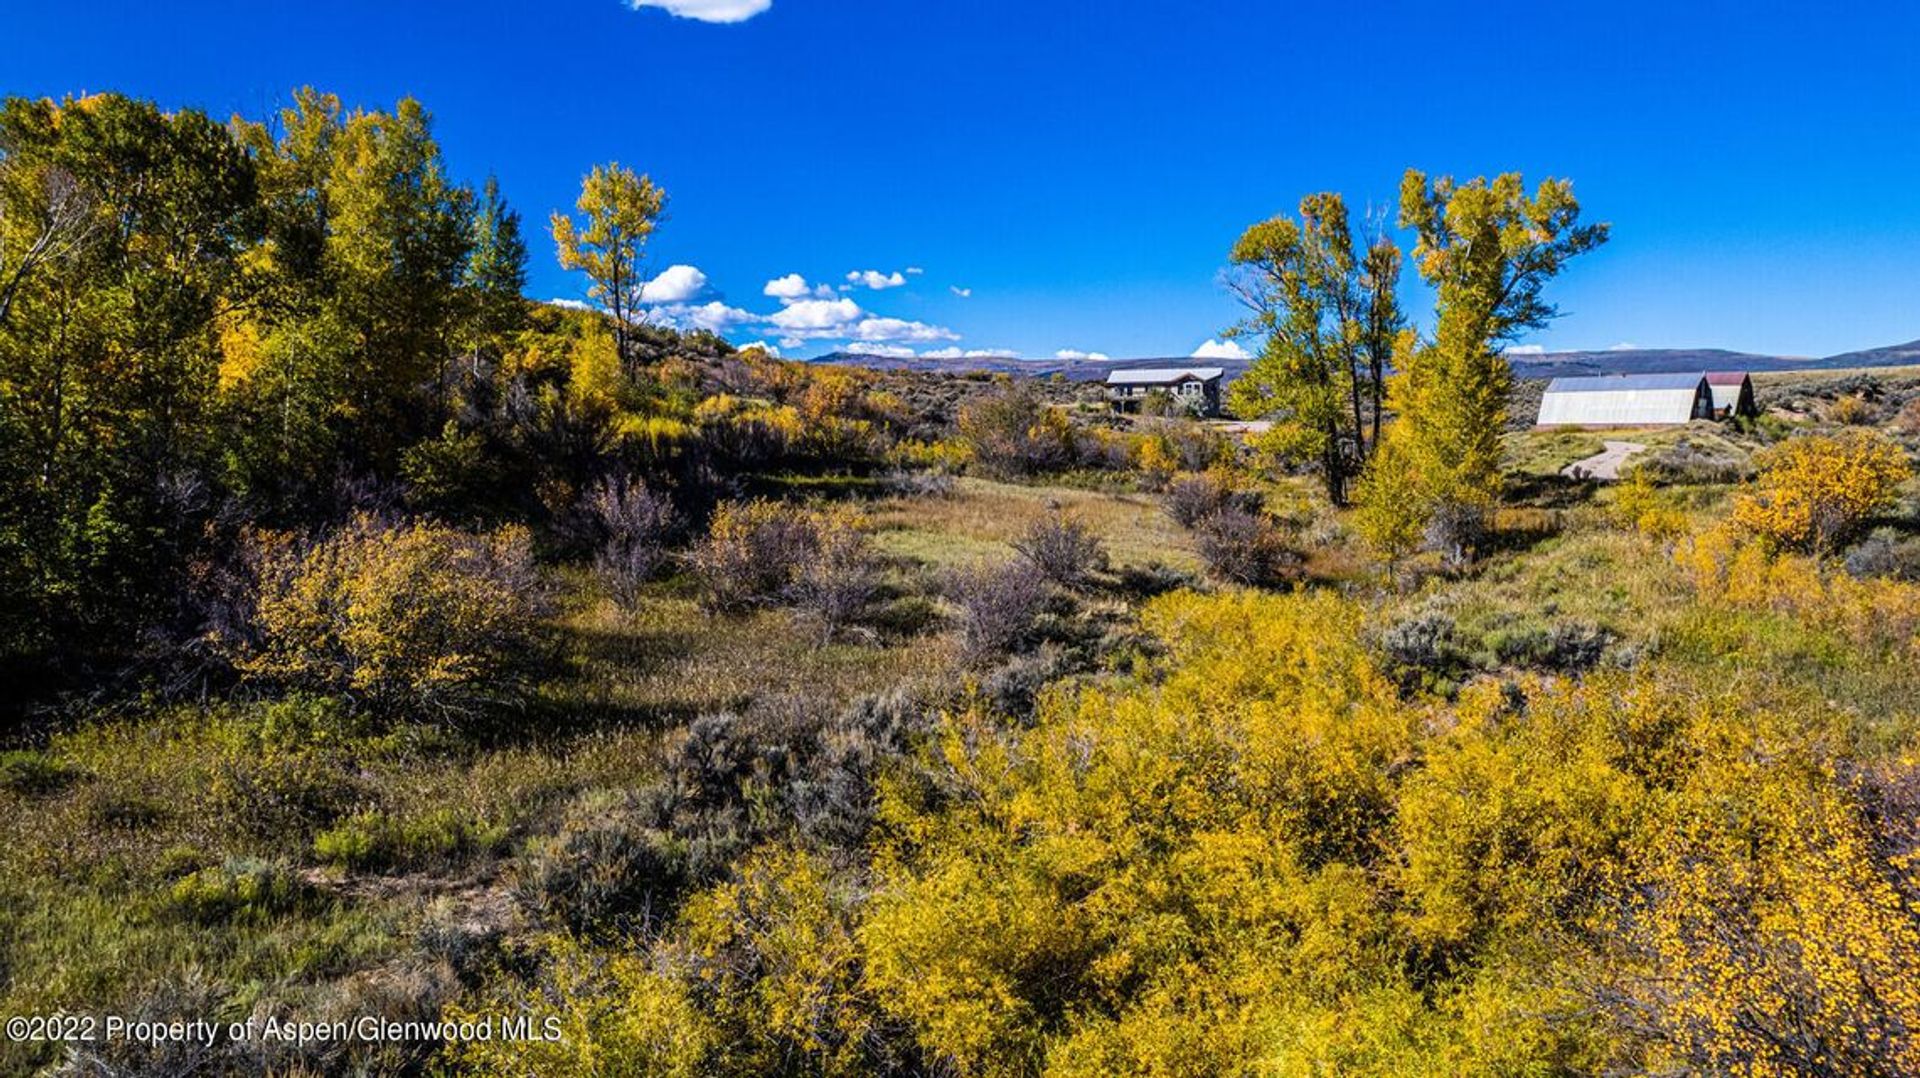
pixel 1197 389
pixel 1732 394
pixel 1626 400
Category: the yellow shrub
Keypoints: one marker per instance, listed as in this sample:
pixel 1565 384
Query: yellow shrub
pixel 1154 457
pixel 1852 410
pixel 594 375
pixel 615 1015
pixel 773 952
pixel 413 614
pixel 1814 492
pixel 831 393
pixel 1641 506
pixel 1389 512
pixel 1774 940
pixel 1730 567
pixel 655 435
pixel 1180 856
pixel 946 455
pixel 750 432
pixel 716 408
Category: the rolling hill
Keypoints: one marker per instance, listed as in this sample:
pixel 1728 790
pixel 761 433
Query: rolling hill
pixel 1528 365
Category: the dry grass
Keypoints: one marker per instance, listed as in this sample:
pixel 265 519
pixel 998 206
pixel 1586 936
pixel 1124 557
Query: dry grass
pixel 983 518
pixel 666 660
pixel 1613 578
pixel 1785 378
pixel 1546 452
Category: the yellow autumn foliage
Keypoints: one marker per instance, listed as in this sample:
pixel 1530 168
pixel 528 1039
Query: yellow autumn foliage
pixel 1166 861
pixel 617 1015
pixel 1639 505
pixel 1813 492
pixel 1732 568
pixel 1261 860
pixel 416 615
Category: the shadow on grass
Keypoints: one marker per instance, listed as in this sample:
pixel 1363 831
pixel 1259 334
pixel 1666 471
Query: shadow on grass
pixel 1549 491
pixel 582 698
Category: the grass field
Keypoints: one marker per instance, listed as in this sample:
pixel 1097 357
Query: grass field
pixel 982 519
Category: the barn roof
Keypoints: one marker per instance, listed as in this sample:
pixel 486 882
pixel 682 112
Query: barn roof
pixel 1159 376
pixel 1614 383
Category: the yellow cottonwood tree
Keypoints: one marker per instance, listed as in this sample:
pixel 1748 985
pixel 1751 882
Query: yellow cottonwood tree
pixel 622 209
pixel 1488 249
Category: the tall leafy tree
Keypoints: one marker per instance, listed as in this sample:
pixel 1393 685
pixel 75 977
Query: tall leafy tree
pixel 398 247
pixel 120 227
pixel 1327 312
pixel 1488 249
pixel 622 209
pixel 358 296
pixel 497 269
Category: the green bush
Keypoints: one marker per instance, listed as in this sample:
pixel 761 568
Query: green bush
pixel 610 866
pixel 452 475
pixel 240 889
pixel 34 773
pixel 285 767
pixel 376 840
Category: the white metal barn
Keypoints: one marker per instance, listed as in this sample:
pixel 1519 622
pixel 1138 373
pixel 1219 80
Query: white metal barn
pixel 1626 400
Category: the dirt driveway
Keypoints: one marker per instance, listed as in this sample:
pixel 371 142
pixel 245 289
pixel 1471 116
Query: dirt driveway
pixel 1605 464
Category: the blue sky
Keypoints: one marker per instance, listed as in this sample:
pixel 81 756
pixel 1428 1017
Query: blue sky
pixel 1080 168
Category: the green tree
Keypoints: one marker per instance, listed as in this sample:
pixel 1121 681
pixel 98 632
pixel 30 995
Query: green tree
pixel 1389 517
pixel 1488 249
pixel 1328 314
pixel 356 299
pixel 622 209
pixel 398 244
pixel 497 268
pixel 119 231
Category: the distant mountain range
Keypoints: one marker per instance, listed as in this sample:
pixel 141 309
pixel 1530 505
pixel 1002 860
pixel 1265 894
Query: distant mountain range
pixel 1658 360
pixel 1527 365
pixel 1075 370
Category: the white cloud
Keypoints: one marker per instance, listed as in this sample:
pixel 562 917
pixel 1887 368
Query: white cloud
pixel 787 289
pixel 963 293
pixel 816 319
pixel 762 346
pixel 816 316
pixel 971 353
pixel 1625 346
pixel 570 304
pixel 676 284
pixel 714 316
pixel 1075 353
pixel 793 342
pixel 914 271
pixel 890 351
pixel 1526 350
pixel 1220 350
pixel 898 329
pixel 876 280
pixel 709 10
